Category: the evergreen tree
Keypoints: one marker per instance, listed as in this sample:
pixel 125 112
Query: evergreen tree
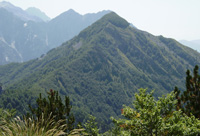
pixel 53 108
pixel 189 100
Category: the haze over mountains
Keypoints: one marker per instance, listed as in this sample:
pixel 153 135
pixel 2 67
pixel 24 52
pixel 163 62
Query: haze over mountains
pixel 100 69
pixel 194 44
pixel 23 38
pixel 29 35
pixel 36 12
pixel 23 15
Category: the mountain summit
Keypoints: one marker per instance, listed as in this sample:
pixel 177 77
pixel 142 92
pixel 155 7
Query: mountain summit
pixel 116 20
pixel 36 12
pixel 100 69
pixel 19 12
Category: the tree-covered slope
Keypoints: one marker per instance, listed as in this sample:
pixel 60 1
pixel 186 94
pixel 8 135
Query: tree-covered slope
pixel 100 69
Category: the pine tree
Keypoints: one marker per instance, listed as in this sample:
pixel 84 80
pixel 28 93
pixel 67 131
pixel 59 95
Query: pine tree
pixel 189 100
pixel 53 108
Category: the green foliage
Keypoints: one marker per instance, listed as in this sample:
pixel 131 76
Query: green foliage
pixel 189 100
pixel 151 117
pixel 91 126
pixel 17 99
pixel 54 108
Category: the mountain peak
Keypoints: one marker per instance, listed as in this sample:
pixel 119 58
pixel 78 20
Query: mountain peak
pixel 17 11
pixel 37 12
pixel 67 14
pixel 5 4
pixel 115 19
pixel 71 12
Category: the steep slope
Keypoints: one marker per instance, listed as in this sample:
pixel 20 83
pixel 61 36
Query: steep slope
pixel 36 12
pixel 100 69
pixel 29 39
pixel 9 54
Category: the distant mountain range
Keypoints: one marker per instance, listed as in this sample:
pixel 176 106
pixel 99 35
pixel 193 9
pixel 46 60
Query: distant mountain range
pixel 100 69
pixel 36 12
pixel 194 44
pixel 23 15
pixel 24 37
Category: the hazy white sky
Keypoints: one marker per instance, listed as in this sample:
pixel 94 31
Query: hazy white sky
pixel 179 19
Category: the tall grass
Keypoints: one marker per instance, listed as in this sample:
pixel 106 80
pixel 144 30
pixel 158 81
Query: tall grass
pixel 31 127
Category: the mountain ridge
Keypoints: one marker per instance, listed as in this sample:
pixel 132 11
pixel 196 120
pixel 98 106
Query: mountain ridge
pixel 100 69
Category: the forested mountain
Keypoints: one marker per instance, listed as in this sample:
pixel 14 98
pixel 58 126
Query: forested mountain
pixel 100 69
pixel 25 39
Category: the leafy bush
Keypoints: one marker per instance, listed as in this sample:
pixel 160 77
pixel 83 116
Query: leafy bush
pixel 151 117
